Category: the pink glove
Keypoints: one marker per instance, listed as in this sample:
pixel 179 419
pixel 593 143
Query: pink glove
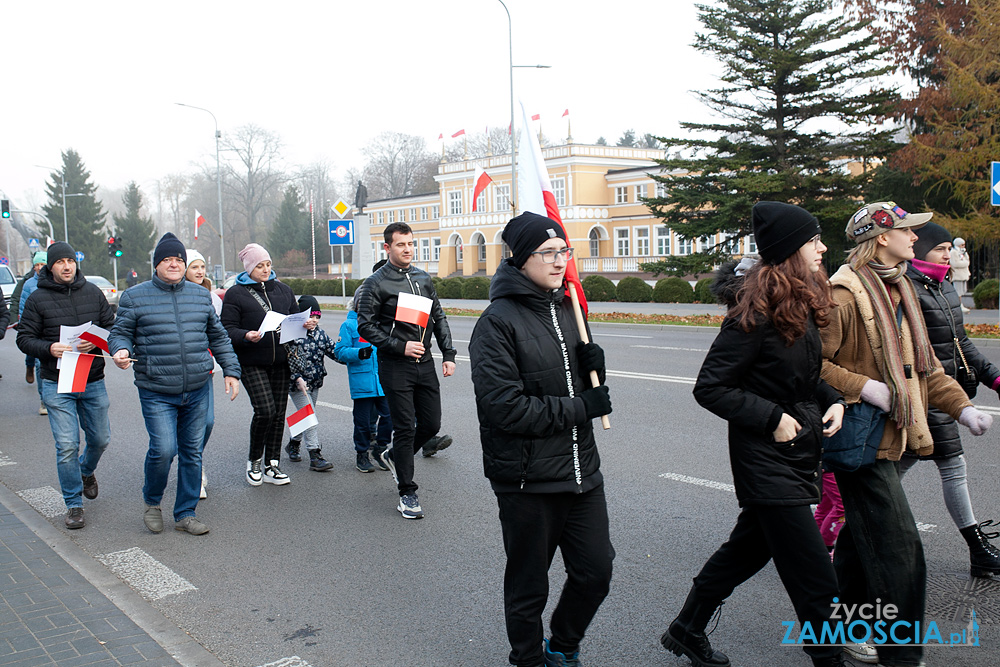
pixel 878 394
pixel 976 421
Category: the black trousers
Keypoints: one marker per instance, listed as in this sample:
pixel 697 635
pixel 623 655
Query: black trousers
pixel 267 387
pixel 788 535
pixel 534 524
pixel 879 553
pixel 414 394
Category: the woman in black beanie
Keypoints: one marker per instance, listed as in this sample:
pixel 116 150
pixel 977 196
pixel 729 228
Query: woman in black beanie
pixel 762 375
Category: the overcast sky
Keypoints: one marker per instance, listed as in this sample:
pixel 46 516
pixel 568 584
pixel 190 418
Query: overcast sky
pixel 102 77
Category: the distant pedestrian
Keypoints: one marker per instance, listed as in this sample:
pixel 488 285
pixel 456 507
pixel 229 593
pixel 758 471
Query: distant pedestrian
pixel 21 293
pixel 65 298
pixel 131 278
pixel 960 271
pixel 307 368
pixel 166 327
pixel 264 361
pixel 371 407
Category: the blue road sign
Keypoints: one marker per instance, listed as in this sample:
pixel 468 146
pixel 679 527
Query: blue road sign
pixel 995 184
pixel 3 261
pixel 79 256
pixel 34 244
pixel 341 232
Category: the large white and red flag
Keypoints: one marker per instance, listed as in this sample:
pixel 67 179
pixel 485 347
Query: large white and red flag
pixel 74 371
pixel 97 336
pixel 480 181
pixel 413 309
pixel 199 220
pixel 302 419
pixel 534 193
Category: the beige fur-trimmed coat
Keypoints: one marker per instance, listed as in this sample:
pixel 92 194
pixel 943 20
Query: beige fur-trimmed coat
pixel 853 354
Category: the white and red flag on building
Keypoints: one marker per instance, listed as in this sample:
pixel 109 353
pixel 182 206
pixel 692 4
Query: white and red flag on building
pixel 74 371
pixel 97 336
pixel 537 116
pixel 458 134
pixel 534 193
pixel 480 181
pixel 302 419
pixel 199 220
pixel 413 309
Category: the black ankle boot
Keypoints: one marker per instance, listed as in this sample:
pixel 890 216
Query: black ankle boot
pixel 293 450
pixel 984 558
pixel 686 635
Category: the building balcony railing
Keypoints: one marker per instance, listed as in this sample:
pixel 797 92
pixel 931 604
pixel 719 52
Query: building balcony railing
pixel 590 265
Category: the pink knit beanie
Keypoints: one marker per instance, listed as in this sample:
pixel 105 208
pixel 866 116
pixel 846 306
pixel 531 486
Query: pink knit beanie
pixel 252 255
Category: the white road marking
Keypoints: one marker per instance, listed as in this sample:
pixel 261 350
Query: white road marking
pixel 149 577
pixel 721 486
pixel 926 527
pixel 294 661
pixel 677 349
pixel 47 501
pixel 649 376
pixel 6 460
pixel 989 409
pixel 334 406
pixel 610 335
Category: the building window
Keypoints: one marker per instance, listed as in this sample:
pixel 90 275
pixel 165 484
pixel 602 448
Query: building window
pixel 413 215
pixel 435 212
pixel 642 241
pixel 501 198
pixel 381 218
pixel 640 191
pixel 662 240
pixel 621 242
pixel 683 246
pixel 621 194
pixel 423 212
pixel 595 243
pixel 751 245
pixel 459 251
pixel 504 251
pixel 732 246
pixel 435 249
pixel 390 216
pixel 481 202
pixel 481 243
pixel 455 202
pixel 559 190
pixel 661 189
pixel 402 215
pixel 425 250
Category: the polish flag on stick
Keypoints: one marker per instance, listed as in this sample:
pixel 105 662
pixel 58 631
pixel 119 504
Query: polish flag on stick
pixel 534 193
pixel 413 309
pixel 458 134
pixel 74 371
pixel 302 419
pixel 480 181
pixel 565 113
pixel 97 336
pixel 199 220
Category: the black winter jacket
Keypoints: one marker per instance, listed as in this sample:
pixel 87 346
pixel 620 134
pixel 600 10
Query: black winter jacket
pixel 53 305
pixel 376 308
pixel 943 313
pixel 242 313
pixel 528 419
pixel 750 379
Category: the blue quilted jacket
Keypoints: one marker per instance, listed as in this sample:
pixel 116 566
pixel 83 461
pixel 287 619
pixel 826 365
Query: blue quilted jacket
pixel 361 373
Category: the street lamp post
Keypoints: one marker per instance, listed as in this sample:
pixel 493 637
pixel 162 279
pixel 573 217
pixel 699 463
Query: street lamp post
pixel 62 179
pixel 218 183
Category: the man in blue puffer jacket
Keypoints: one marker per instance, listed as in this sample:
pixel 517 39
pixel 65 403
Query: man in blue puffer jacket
pixel 361 359
pixel 167 326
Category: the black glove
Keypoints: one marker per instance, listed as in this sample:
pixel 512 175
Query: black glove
pixel 596 401
pixel 365 352
pixel 590 357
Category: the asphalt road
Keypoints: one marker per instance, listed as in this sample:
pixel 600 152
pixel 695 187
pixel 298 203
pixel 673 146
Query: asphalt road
pixel 325 568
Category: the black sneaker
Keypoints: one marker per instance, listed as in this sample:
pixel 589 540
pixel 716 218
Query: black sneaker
pixel 89 487
pixel 376 452
pixel 436 444
pixel 386 459
pixel 74 518
pixel 363 463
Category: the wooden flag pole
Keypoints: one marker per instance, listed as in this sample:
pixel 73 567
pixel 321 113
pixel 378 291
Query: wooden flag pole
pixel 582 326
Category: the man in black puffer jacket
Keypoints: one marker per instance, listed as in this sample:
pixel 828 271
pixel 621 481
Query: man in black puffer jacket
pixel 65 298
pixel 531 370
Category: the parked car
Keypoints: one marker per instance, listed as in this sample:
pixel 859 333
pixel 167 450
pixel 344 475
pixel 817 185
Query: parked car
pixel 7 283
pixel 111 293
pixel 230 281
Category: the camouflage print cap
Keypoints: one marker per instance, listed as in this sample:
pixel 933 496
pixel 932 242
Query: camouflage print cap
pixel 871 220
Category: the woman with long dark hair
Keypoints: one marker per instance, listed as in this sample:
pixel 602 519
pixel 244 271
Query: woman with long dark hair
pixel 762 375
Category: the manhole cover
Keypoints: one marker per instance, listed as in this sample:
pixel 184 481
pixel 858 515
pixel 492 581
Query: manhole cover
pixel 952 597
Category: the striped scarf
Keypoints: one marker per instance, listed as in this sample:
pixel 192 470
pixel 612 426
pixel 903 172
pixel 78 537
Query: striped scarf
pixel 875 278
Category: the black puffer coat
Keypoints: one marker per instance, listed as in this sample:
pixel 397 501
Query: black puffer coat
pixel 750 379
pixel 527 418
pixel 943 313
pixel 53 305
pixel 242 313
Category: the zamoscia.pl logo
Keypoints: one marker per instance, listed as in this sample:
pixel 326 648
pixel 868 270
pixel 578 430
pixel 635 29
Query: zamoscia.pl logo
pixel 878 624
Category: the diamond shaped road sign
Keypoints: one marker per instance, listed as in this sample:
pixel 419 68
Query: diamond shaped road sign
pixel 995 184
pixel 341 208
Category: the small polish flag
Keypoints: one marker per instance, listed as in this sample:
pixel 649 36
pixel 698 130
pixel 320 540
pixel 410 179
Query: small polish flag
pixel 49 241
pixel 73 372
pixel 537 116
pixel 302 419
pixel 481 180
pixel 97 336
pixel 458 134
pixel 199 220
pixel 565 113
pixel 413 309
pixel 441 136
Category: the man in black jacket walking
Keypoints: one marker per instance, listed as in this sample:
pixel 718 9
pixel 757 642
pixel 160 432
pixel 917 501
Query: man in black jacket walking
pixel 530 371
pixel 404 357
pixel 65 298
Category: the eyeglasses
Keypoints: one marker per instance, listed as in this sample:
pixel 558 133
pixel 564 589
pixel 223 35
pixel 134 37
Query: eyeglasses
pixel 549 256
pixel 817 242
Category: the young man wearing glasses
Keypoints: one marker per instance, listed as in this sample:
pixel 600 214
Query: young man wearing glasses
pixel 530 370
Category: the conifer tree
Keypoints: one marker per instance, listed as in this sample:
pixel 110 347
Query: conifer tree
pixel 85 216
pixel 138 233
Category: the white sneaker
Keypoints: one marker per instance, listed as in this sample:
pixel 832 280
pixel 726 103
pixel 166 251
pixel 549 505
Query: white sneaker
pixel 865 653
pixel 273 474
pixel 254 476
pixel 204 486
pixel 42 410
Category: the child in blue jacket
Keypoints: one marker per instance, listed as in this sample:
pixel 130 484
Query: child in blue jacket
pixel 305 361
pixel 366 391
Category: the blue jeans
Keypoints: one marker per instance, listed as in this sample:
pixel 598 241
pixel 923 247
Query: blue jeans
pixel 68 413
pixel 176 425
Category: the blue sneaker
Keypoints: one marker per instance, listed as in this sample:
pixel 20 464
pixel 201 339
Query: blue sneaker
pixel 409 507
pixel 386 458
pixel 557 659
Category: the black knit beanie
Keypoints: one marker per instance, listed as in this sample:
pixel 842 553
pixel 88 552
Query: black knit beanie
pixel 928 237
pixel 780 229
pixel 528 231
pixel 308 302
pixel 168 246
pixel 59 250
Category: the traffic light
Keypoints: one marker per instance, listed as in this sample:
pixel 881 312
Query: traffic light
pixel 111 246
pixel 5 206
pixel 118 246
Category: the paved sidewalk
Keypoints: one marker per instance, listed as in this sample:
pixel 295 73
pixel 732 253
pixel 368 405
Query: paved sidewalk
pixel 52 613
